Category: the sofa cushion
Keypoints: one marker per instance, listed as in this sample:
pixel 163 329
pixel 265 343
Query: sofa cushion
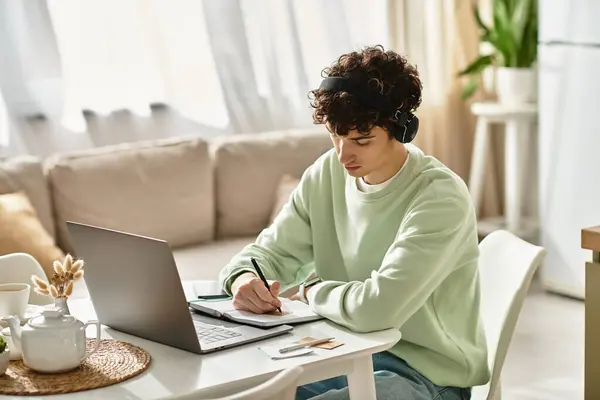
pixel 247 172
pixel 22 232
pixel 204 261
pixel 162 189
pixel 26 173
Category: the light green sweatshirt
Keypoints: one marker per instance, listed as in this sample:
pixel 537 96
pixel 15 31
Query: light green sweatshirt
pixel 404 257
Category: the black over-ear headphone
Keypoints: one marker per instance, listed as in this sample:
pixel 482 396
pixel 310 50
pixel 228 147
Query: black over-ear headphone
pixel 407 123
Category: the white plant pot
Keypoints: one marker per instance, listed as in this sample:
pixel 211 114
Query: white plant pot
pixel 516 85
pixel 4 359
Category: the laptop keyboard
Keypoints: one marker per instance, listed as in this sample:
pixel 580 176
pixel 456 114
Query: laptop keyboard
pixel 210 334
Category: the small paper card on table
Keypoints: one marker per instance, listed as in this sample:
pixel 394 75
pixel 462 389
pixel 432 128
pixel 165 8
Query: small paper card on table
pixel 328 346
pixel 273 351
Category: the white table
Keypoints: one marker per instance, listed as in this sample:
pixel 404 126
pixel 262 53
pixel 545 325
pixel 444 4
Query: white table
pixel 519 136
pixel 175 372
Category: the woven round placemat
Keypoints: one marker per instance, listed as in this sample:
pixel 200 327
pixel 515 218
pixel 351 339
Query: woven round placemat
pixel 114 362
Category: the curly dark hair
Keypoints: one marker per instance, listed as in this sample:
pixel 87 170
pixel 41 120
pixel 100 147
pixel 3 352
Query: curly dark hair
pixel 387 72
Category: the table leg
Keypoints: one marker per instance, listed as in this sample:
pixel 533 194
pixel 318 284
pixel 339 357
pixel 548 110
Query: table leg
pixel 361 381
pixel 516 134
pixel 477 174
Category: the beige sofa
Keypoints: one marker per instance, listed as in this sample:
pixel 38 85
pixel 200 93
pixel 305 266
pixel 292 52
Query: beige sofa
pixel 207 198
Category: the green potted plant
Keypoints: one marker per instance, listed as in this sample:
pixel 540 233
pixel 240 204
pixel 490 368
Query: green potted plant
pixel 512 38
pixel 4 356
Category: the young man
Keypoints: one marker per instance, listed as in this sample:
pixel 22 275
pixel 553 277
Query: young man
pixel 389 232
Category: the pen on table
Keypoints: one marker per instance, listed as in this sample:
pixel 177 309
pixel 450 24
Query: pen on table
pixel 304 345
pixel 262 277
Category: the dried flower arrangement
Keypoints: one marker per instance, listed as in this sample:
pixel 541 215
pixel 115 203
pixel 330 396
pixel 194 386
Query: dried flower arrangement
pixel 61 282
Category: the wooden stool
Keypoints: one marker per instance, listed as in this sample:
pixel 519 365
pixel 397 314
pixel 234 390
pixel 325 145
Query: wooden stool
pixel 519 122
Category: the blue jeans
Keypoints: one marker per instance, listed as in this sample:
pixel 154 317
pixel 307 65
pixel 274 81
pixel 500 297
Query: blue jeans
pixel 394 380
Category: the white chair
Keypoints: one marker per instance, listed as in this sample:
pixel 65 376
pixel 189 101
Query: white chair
pixel 18 268
pixel 281 387
pixel 506 266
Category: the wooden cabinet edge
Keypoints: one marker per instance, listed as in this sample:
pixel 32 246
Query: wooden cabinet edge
pixel 590 239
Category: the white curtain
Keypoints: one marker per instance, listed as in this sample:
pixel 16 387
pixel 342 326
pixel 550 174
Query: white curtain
pixel 229 66
pixel 440 37
pixel 30 76
pixel 4 125
pixel 129 54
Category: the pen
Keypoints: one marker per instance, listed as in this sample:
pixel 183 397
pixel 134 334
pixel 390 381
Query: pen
pixel 304 345
pixel 262 277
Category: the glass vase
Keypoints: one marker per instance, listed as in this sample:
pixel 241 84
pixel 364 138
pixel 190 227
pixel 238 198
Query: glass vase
pixel 61 303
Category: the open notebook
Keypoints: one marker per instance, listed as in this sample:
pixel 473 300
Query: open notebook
pixel 293 312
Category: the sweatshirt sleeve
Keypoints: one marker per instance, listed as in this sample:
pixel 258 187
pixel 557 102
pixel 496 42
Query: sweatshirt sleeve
pixel 425 251
pixel 283 248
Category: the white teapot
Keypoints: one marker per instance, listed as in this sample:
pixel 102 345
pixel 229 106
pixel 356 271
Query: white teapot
pixel 52 342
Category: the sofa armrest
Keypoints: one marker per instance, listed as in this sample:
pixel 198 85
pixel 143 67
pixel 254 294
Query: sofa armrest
pixel 26 173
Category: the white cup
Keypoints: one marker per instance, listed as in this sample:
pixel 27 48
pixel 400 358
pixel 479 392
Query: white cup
pixel 14 298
